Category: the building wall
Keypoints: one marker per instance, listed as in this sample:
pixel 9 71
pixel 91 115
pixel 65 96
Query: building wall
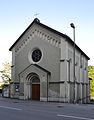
pixel 77 91
pixel 49 44
pixel 81 76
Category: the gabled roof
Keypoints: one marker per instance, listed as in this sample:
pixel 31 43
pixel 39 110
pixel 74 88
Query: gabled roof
pixel 37 21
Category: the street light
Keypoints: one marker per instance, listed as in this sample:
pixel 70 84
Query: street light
pixel 72 25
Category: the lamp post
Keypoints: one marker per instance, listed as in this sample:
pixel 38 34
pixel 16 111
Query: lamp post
pixel 72 25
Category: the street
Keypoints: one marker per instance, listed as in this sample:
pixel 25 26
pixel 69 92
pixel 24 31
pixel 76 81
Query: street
pixel 12 109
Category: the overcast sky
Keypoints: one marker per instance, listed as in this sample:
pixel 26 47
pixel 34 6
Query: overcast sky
pixel 16 15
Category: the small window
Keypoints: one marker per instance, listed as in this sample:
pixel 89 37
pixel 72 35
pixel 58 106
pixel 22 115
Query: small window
pixel 81 61
pixel 86 66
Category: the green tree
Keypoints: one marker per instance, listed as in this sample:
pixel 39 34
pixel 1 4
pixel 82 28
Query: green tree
pixel 6 72
pixel 91 75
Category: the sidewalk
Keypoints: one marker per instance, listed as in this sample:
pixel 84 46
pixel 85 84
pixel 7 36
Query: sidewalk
pixel 51 104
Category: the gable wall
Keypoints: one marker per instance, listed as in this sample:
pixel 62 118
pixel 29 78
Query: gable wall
pixel 47 42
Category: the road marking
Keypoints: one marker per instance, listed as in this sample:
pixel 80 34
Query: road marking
pixel 12 108
pixel 69 116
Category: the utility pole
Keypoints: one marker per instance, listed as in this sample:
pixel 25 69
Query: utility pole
pixel 72 25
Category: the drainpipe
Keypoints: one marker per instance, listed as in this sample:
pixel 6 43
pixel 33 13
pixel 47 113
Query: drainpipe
pixel 47 87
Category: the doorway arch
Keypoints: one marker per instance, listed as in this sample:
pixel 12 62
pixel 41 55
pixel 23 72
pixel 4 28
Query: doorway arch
pixel 34 80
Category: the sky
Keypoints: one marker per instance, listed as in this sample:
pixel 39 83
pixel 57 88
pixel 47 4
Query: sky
pixel 16 15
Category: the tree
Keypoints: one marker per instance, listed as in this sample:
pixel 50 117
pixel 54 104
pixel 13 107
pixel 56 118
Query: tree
pixel 91 75
pixel 6 72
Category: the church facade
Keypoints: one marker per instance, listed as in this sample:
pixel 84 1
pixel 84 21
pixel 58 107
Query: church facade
pixel 42 66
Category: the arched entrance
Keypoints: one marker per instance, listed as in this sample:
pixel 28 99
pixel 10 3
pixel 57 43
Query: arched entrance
pixel 33 78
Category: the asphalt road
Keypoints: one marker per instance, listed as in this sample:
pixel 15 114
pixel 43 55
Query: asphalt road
pixel 12 109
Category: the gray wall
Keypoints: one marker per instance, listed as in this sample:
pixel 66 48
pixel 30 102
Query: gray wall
pixel 50 60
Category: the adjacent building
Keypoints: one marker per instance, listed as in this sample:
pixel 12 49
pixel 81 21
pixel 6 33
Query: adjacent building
pixel 42 66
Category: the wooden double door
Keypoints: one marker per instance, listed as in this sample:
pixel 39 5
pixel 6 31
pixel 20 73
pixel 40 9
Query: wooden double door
pixel 35 92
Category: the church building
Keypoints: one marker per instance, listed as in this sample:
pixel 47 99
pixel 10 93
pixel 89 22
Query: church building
pixel 42 66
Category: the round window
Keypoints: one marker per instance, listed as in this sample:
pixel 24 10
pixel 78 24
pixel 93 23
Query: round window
pixel 36 55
